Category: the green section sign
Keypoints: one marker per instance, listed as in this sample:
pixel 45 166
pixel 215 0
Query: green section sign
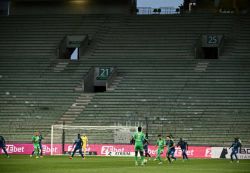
pixel 104 73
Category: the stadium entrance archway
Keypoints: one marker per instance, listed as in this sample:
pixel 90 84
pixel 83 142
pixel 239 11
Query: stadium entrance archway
pixel 100 79
pixel 72 46
pixel 71 53
pixel 209 46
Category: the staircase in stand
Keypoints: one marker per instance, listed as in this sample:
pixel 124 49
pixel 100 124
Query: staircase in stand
pixel 60 66
pixel 115 83
pixel 79 88
pixel 201 66
pixel 76 108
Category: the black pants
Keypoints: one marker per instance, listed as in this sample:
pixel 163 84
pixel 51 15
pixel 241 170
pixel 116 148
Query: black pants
pixel 184 154
pixel 4 150
pixel 80 151
pixel 147 154
pixel 234 153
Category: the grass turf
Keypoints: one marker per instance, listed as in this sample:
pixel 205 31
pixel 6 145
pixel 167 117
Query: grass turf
pixel 61 164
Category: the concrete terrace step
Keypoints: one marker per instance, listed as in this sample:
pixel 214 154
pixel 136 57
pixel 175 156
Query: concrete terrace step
pixel 75 109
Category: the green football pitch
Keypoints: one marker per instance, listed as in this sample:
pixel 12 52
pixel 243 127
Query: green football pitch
pixel 62 164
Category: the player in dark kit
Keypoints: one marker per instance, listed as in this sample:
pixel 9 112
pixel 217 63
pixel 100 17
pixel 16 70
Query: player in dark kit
pixel 171 149
pixel 3 146
pixel 184 147
pixel 78 146
pixel 235 148
pixel 145 147
pixel 40 144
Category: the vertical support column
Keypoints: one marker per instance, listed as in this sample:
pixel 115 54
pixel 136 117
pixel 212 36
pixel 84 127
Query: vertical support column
pixel 133 6
pixel 8 13
pixel 51 140
pixel 235 6
pixel 63 137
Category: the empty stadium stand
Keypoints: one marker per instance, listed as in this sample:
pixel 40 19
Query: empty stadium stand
pixel 162 86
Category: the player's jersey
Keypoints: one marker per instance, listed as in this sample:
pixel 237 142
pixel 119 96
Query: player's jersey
pixel 235 145
pixel 183 145
pixel 139 138
pixel 40 139
pixel 35 140
pixel 145 146
pixel 84 140
pixel 170 144
pixel 78 143
pixel 2 141
pixel 160 143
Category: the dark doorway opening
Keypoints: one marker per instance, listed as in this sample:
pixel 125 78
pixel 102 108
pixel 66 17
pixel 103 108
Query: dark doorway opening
pixel 99 89
pixel 210 52
pixel 71 53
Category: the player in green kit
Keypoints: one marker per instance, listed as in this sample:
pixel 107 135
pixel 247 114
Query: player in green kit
pixel 35 141
pixel 160 148
pixel 139 138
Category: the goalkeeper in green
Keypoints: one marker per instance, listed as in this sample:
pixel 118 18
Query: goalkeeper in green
pixel 138 139
pixel 35 141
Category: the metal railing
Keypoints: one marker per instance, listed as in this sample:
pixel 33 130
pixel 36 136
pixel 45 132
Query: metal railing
pixel 159 11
